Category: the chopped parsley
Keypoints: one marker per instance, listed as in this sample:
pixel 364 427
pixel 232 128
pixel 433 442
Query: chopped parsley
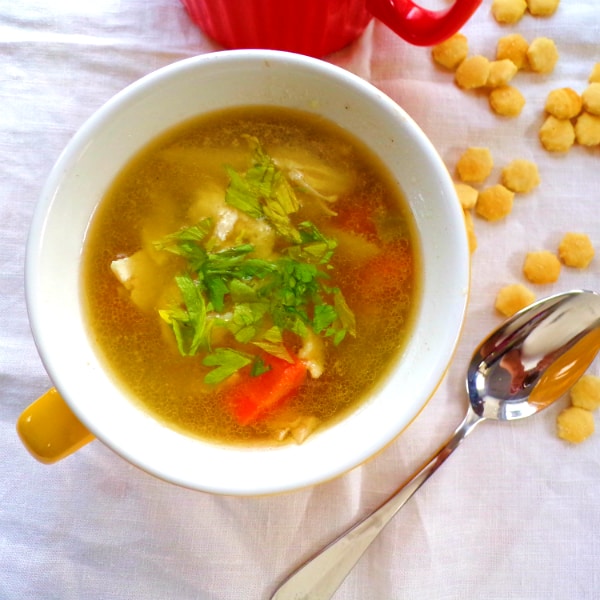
pixel 264 192
pixel 255 299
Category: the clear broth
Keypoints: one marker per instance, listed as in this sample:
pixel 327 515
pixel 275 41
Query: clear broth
pixel 152 196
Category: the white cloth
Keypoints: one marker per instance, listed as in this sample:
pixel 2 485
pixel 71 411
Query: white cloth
pixel 515 514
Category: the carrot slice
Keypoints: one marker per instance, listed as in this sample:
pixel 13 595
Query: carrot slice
pixel 252 396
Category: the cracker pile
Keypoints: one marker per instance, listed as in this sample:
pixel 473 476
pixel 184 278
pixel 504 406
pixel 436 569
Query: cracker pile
pixel 576 422
pixel 575 250
pixel 493 77
pixel 492 202
pixel 571 118
pixel 509 12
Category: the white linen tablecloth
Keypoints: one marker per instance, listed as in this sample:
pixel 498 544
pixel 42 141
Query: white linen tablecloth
pixel 515 514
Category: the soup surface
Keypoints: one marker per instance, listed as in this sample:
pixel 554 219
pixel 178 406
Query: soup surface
pixel 251 275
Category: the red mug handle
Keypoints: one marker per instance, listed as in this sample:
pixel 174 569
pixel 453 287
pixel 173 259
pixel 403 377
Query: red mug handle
pixel 420 26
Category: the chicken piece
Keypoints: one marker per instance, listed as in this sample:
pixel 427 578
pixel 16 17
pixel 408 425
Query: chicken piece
pixel 298 428
pixel 311 175
pixel 146 281
pixel 312 354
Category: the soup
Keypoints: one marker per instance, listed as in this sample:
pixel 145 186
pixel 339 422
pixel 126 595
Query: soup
pixel 251 275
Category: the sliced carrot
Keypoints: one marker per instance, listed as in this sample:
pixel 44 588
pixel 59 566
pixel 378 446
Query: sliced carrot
pixel 252 396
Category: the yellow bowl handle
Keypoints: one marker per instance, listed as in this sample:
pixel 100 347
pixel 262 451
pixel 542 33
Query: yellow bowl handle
pixel 49 429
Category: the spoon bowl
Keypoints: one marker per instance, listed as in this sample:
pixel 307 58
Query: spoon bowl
pixel 534 357
pixel 525 365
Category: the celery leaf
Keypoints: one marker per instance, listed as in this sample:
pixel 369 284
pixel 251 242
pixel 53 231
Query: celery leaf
pixel 226 362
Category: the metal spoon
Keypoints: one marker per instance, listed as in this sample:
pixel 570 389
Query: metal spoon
pixel 530 361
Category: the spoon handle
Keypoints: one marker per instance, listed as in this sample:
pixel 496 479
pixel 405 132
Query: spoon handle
pixel 320 577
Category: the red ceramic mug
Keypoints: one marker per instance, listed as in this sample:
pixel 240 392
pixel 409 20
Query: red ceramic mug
pixel 318 27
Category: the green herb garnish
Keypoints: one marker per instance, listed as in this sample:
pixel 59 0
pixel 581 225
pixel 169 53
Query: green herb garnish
pixel 226 362
pixel 264 192
pixel 255 300
pixel 189 323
